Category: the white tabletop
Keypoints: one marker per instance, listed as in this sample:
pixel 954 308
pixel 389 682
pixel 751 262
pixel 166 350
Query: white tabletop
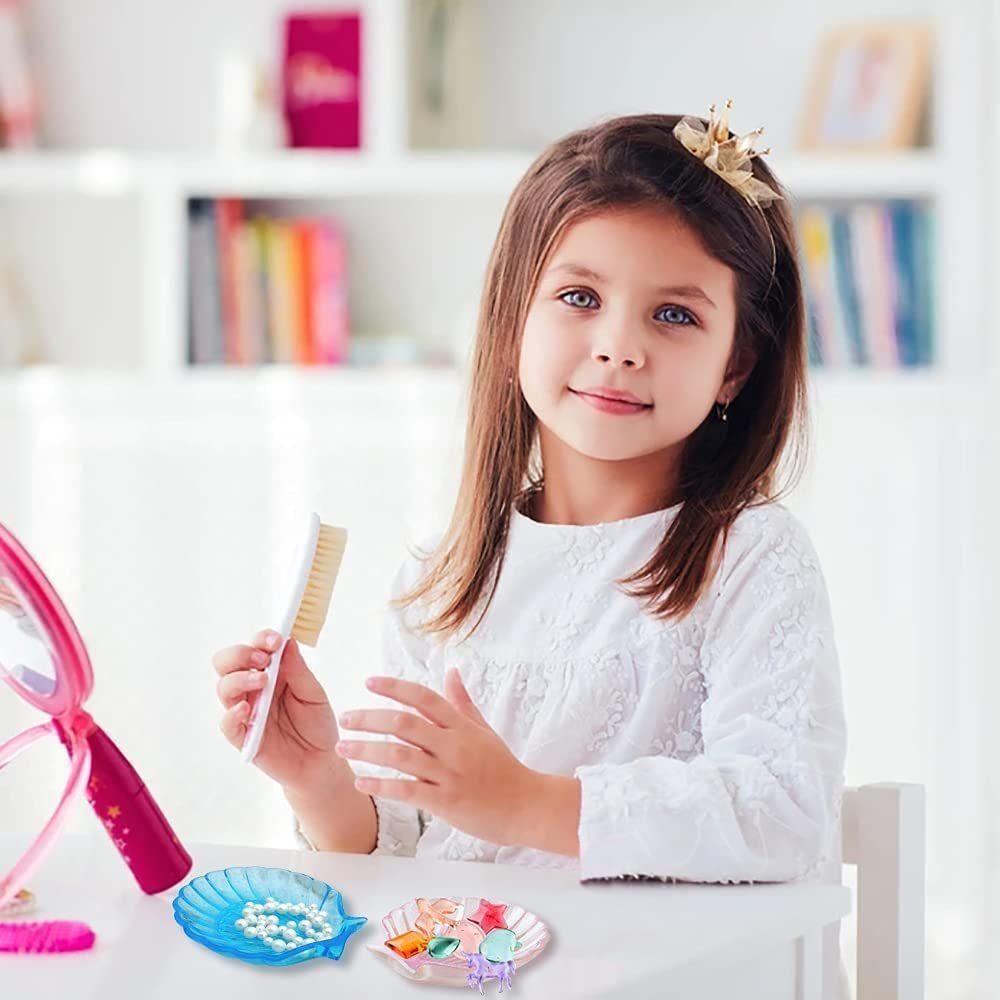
pixel 608 939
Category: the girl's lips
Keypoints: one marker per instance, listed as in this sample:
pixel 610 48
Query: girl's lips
pixel 610 405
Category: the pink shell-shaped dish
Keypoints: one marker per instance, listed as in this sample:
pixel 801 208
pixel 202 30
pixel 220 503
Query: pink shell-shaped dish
pixel 531 932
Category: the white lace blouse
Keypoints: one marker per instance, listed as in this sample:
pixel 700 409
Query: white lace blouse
pixel 710 749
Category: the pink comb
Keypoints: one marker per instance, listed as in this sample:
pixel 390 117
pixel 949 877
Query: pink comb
pixel 46 936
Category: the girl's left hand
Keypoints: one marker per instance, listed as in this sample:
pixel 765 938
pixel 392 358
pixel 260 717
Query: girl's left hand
pixel 464 771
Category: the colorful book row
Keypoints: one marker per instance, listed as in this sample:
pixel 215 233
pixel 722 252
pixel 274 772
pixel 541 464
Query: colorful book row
pixel 869 279
pixel 265 289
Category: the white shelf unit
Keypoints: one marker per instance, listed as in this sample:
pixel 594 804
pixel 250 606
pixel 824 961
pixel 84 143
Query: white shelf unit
pixel 296 173
pixel 157 186
pixel 163 185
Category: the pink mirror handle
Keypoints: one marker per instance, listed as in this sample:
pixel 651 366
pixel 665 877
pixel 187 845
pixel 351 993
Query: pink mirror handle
pixel 128 812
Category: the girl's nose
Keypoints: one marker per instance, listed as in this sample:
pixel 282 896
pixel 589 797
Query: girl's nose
pixel 622 350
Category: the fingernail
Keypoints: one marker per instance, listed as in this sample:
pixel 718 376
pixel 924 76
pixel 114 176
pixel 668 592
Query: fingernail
pixel 271 641
pixel 259 657
pixel 257 679
pixel 346 719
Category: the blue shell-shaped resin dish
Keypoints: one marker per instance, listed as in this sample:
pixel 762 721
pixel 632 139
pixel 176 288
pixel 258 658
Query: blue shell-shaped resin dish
pixel 208 907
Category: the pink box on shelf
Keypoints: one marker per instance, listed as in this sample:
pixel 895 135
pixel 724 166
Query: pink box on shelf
pixel 321 79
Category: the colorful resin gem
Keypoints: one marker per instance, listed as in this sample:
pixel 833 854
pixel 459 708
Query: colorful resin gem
pixel 22 902
pixel 489 915
pixel 442 947
pixel 471 935
pixel 499 945
pixel 433 914
pixel 408 944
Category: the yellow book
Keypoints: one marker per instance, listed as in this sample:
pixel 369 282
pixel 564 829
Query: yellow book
pixel 280 299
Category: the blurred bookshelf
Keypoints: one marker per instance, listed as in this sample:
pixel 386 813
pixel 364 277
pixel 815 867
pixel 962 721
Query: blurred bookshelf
pixel 448 182
pixel 169 186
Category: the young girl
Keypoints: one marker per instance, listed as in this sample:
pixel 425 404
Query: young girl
pixel 619 655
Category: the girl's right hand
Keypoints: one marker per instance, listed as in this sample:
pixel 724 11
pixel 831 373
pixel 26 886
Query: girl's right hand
pixel 297 748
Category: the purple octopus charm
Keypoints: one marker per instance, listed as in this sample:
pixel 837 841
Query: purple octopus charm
pixel 483 968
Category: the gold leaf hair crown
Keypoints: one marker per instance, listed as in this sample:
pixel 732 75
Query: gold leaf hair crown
pixel 729 157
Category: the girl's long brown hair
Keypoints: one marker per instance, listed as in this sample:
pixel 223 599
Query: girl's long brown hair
pixel 725 467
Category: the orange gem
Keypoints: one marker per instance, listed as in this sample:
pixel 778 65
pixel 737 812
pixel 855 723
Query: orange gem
pixel 408 944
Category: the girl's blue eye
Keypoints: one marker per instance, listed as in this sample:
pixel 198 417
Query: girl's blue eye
pixel 683 312
pixel 686 320
pixel 575 291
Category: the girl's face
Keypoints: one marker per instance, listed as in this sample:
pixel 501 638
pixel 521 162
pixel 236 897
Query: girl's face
pixel 629 299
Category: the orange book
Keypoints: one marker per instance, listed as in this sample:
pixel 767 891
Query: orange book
pixel 301 253
pixel 229 217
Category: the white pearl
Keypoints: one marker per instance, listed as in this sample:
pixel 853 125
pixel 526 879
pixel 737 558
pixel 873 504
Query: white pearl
pixel 305 924
pixel 264 939
pixel 288 934
pixel 299 941
pixel 269 907
pixel 258 908
pixel 241 924
pixel 282 907
pixel 278 945
pixel 272 919
pixel 250 932
pixel 289 923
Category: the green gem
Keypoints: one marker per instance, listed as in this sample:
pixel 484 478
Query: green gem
pixel 499 945
pixel 442 947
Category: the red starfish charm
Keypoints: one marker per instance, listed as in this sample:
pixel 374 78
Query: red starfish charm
pixel 489 915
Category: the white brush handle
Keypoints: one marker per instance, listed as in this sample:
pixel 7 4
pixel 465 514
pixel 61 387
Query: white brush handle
pixel 262 706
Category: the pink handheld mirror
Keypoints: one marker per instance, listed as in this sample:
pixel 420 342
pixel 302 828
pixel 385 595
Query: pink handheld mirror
pixel 42 657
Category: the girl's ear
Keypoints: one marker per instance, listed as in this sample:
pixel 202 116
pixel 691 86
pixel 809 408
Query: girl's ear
pixel 740 368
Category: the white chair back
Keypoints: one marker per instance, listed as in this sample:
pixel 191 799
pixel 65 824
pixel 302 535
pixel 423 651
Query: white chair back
pixel 882 830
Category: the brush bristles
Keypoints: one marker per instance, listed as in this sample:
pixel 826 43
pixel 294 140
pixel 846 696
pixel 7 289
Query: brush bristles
pixel 319 587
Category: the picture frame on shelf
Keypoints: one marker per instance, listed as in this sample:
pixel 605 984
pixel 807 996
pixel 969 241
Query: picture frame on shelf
pixel 444 62
pixel 870 88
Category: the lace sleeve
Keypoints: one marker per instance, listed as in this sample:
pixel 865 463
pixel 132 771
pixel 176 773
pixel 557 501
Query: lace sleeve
pixel 761 802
